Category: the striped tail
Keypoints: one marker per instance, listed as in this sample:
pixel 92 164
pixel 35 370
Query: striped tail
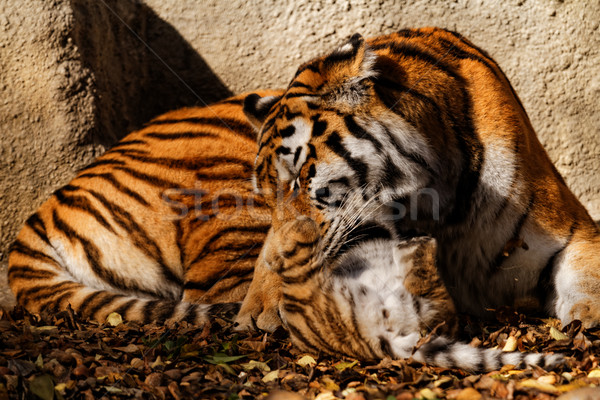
pixel 448 353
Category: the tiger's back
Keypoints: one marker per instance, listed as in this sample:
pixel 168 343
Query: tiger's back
pixel 164 219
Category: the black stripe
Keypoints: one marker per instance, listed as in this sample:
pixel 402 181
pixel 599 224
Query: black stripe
pixel 360 168
pixel 87 302
pixel 310 66
pixel 386 347
pixel 124 308
pixel 164 310
pixel 110 178
pixel 299 84
pixel 210 281
pixel 179 135
pixel 93 256
pixel 301 278
pixel 297 154
pixel 287 131
pixel 297 333
pixel 39 227
pixel 149 179
pixel 233 125
pixel 107 299
pixel 148 310
pixel 312 171
pixel 22 248
pixel 516 234
pixel 319 125
pixel 234 283
pixel 416 52
pixel 83 204
pixel 29 273
pixel 360 133
pixel 138 234
pixel 191 314
pixel 124 143
pixel 259 229
pixel 33 294
pixel 283 150
pixel 191 164
pixel 433 348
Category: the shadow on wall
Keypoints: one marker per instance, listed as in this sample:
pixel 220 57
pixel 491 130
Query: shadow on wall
pixel 141 65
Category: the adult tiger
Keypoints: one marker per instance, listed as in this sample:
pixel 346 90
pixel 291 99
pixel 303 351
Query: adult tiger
pixel 427 123
pixel 162 222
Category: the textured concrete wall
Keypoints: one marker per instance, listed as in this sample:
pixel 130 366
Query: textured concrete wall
pixel 77 75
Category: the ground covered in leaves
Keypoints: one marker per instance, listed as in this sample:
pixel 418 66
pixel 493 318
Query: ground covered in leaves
pixel 62 357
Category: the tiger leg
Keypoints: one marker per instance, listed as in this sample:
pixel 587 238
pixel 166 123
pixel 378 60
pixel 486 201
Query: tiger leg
pixel 577 282
pixel 49 275
pixel 260 308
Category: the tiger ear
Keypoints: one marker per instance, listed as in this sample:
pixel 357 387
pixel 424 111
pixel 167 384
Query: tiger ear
pixel 257 108
pixel 347 72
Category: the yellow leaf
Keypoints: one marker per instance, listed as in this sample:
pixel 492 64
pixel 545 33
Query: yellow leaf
pixel 442 380
pixel 271 376
pixel 595 373
pixel 426 394
pixel 556 334
pixel 61 388
pixel 157 363
pixel 511 344
pixel 547 379
pixel 342 365
pixel 330 384
pixel 261 366
pixel 532 383
pixel 114 319
pixel 306 360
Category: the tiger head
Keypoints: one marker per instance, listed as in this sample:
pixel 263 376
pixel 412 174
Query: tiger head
pixel 335 147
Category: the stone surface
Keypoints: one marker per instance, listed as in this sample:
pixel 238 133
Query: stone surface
pixel 76 75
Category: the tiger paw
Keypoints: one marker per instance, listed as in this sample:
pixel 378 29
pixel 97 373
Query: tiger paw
pixel 260 308
pixel 587 312
pixel 293 245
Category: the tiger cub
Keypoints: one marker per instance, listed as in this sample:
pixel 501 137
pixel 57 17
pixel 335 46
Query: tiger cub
pixel 160 226
pixel 374 301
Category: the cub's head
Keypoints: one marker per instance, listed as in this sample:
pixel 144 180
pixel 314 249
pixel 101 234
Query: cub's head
pixel 333 145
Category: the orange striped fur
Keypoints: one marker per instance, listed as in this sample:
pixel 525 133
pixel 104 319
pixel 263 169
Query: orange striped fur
pixel 426 131
pixel 159 227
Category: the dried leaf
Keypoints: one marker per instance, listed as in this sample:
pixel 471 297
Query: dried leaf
pixel 43 387
pixel 535 384
pixel 511 344
pixel 306 360
pixel 114 319
pixel 271 376
pixel 426 394
pixel 556 334
pixel 261 366
pixel 342 365
pixel 595 373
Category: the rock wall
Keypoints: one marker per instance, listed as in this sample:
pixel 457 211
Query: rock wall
pixel 77 75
